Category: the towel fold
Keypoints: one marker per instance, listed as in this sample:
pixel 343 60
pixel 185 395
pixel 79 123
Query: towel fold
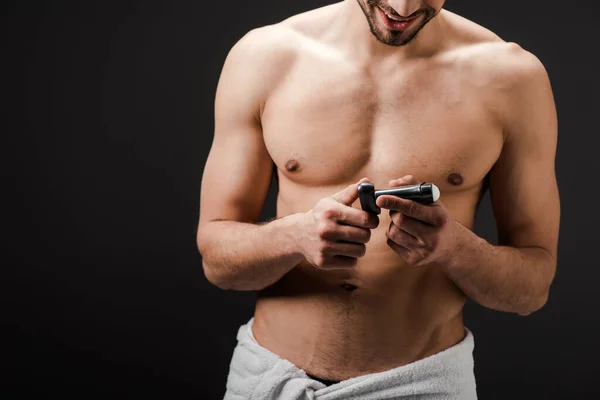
pixel 258 374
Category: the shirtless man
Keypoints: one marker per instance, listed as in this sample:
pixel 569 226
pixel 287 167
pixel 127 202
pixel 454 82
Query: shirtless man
pixel 382 90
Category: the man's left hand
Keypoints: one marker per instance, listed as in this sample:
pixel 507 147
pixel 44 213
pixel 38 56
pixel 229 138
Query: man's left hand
pixel 420 234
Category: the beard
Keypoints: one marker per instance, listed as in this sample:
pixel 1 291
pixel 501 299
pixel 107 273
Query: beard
pixel 394 37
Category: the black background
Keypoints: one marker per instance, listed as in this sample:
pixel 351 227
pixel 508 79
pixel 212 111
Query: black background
pixel 109 122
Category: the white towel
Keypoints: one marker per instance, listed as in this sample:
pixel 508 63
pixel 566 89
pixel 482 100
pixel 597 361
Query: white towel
pixel 258 374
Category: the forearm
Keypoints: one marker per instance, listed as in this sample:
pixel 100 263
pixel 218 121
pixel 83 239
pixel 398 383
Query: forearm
pixel 244 256
pixel 500 277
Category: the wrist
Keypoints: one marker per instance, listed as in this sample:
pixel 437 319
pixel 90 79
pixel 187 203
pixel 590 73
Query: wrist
pixel 288 230
pixel 454 248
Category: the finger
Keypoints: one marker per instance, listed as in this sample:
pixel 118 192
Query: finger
pixel 403 238
pixel 346 249
pixel 349 233
pixel 429 214
pixel 355 217
pixel 403 252
pixel 411 225
pixel 405 180
pixel 350 194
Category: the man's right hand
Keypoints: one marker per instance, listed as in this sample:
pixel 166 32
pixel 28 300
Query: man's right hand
pixel 333 234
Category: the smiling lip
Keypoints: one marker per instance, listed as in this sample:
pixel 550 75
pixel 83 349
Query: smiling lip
pixel 397 25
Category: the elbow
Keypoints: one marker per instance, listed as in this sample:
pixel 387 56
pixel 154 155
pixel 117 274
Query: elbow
pixel 213 277
pixel 203 236
pixel 540 296
pixel 534 305
pixel 202 244
pixel 214 274
pixel 223 281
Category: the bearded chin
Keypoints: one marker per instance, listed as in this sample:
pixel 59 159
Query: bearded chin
pixel 386 36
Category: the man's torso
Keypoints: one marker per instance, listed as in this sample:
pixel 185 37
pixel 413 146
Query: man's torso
pixel 328 122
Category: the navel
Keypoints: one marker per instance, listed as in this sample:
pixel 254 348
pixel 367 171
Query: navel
pixel 455 179
pixel 292 165
pixel 348 287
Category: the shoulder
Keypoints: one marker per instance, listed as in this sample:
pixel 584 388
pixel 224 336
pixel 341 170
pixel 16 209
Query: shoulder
pixel 483 54
pixel 510 82
pixel 519 68
pixel 505 65
pixel 265 49
pixel 265 54
pixel 505 76
pixel 281 42
pixel 253 68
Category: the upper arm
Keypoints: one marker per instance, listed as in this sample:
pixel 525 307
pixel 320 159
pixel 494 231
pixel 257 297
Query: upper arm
pixel 523 186
pixel 238 170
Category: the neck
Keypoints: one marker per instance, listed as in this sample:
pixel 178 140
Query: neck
pixel 352 25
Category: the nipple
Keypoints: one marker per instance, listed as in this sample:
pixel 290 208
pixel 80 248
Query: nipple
pixel 455 179
pixel 292 165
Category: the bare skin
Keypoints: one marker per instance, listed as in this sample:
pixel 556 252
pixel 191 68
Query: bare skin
pixel 318 101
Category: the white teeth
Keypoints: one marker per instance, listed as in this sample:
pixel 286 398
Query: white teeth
pixel 395 18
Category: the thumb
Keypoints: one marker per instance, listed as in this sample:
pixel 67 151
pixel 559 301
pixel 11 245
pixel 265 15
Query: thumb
pixel 350 194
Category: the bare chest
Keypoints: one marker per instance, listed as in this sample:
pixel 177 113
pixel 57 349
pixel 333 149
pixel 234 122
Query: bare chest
pixel 329 126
